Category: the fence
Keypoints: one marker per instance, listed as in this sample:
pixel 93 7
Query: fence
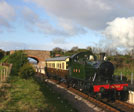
pixel 4 71
pixel 131 78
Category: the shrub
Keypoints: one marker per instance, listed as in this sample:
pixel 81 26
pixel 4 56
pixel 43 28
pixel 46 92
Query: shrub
pixel 18 59
pixel 2 53
pixel 26 71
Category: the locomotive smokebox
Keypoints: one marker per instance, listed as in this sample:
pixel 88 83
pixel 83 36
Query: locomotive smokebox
pixel 102 55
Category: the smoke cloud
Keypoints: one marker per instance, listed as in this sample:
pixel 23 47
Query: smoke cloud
pixel 120 32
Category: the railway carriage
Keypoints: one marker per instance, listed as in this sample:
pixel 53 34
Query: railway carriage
pixel 57 67
pixel 84 72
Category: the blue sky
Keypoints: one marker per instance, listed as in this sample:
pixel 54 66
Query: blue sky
pixel 46 24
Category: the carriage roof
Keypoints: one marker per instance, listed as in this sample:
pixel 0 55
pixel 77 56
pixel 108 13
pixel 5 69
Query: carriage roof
pixel 58 58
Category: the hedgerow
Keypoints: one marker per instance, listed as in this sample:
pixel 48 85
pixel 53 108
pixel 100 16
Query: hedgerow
pixel 26 71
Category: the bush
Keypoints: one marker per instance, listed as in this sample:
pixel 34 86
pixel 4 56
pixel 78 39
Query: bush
pixel 2 53
pixel 18 59
pixel 26 71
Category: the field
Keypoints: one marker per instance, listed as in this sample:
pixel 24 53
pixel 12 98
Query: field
pixel 123 64
pixel 31 96
pixel 125 71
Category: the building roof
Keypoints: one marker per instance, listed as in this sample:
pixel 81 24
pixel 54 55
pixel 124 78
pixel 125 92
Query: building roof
pixel 58 58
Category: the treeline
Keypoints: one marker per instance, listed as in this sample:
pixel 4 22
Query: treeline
pixel 62 52
pixel 57 51
pixel 121 60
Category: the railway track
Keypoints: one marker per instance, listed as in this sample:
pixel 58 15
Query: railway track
pixel 97 103
pixel 121 106
pixel 117 106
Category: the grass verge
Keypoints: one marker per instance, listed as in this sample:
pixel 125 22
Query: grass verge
pixel 20 95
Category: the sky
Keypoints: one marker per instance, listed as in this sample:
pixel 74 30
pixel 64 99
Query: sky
pixel 46 24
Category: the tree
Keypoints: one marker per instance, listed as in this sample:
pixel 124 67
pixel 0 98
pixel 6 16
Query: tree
pixel 96 50
pixel 75 48
pixel 18 59
pixel 57 50
pixel 2 53
pixel 89 48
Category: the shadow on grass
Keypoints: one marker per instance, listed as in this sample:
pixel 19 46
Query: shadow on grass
pixel 54 100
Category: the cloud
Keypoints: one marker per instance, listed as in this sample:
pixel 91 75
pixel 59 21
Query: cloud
pixel 7 14
pixel 35 23
pixel 92 14
pixel 120 32
pixel 29 15
pixel 88 13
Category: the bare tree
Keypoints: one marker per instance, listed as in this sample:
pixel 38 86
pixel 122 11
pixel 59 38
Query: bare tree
pixel 57 50
pixel 89 48
pixel 75 48
pixel 96 50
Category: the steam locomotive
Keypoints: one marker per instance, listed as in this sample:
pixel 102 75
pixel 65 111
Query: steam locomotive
pixel 84 72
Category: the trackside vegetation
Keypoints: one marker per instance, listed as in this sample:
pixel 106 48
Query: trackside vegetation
pixel 21 95
pixel 123 64
pixel 18 59
pixel 24 93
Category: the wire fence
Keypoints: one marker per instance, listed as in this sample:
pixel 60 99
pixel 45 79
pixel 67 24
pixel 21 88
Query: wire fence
pixel 131 77
pixel 5 70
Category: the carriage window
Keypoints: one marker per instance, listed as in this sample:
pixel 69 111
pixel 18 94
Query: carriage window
pixel 53 65
pixel 57 65
pixel 62 65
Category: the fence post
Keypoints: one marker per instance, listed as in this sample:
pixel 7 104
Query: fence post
pixel 7 72
pixel 121 76
pixel 4 74
pixel 0 75
pixel 132 78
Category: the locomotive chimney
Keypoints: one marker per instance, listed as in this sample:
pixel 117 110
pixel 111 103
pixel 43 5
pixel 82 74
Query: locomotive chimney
pixel 102 55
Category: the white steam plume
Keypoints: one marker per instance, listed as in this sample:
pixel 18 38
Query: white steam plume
pixel 121 32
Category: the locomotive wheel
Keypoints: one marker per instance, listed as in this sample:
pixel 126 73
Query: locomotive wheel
pixel 71 83
pixel 59 80
pixel 112 95
pixel 48 76
pixel 124 95
pixel 68 82
pixel 99 96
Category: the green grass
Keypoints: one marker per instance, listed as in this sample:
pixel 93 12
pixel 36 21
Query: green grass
pixel 31 96
pixel 125 71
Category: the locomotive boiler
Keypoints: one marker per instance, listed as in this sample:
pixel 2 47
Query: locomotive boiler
pixel 84 72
